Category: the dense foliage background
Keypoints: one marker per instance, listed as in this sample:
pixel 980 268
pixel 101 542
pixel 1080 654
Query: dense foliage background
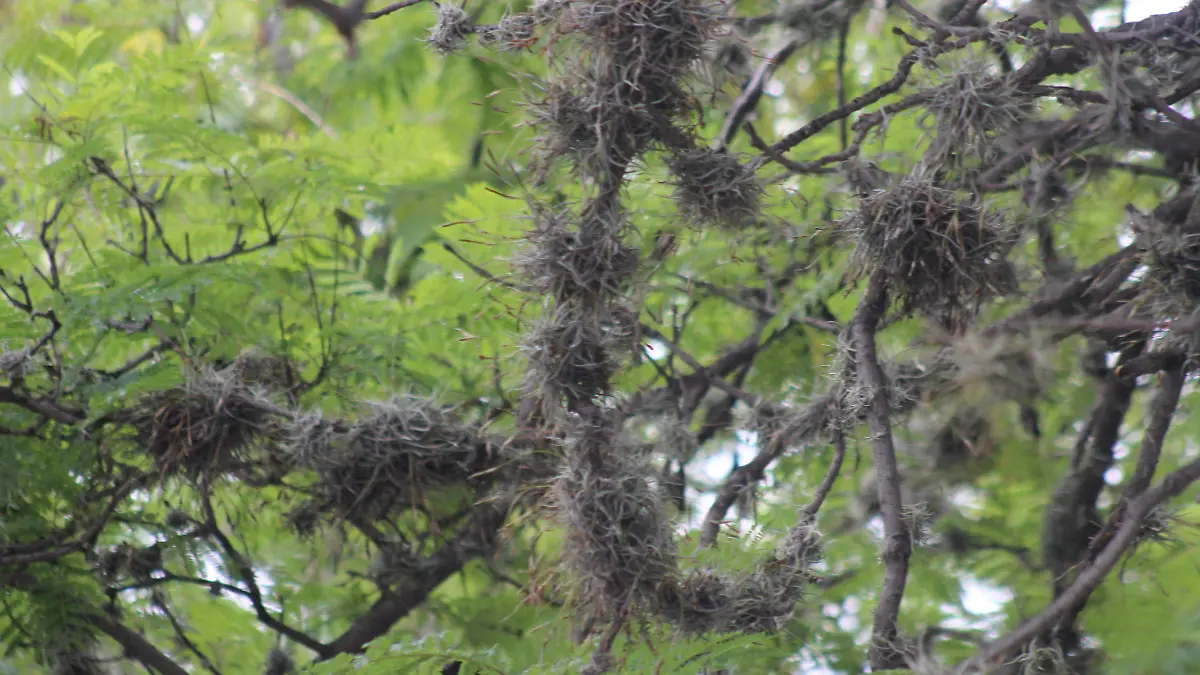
pixel 598 335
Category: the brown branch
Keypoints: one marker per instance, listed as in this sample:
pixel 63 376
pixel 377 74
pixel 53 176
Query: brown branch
pixel 1090 578
pixel 1156 431
pixel 1148 364
pixel 1163 413
pixel 940 30
pixel 147 209
pixel 1071 519
pixel 704 374
pixel 245 572
pixel 1076 295
pixel 44 407
pixel 752 93
pixel 885 649
pixel 50 244
pixel 394 7
pixel 169 577
pixel 29 431
pixel 741 478
pixel 818 124
pixel 835 469
pixel 903 70
pixel 134 362
pixel 137 646
pixel 47 550
pixel 478 538
pixel 1153 438
pixel 757 142
pixel 181 635
pixel 1048 63
pixel 843 39
pixel 1093 282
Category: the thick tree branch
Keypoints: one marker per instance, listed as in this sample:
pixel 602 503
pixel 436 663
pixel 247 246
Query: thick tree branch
pixel 742 477
pixel 885 650
pixel 1161 416
pixel 1155 435
pixel 48 408
pixel 478 538
pixel 137 646
pixel 1090 578
pixel 1071 519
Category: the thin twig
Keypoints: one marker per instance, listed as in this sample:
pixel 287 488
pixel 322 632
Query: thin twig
pixel 181 635
pixel 288 97
pixel 752 93
pixel 394 7
pixel 835 469
pixel 245 572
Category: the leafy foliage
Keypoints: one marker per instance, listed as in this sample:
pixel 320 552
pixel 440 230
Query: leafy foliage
pixel 597 336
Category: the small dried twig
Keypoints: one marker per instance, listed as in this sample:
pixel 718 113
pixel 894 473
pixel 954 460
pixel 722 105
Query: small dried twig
pixel 288 97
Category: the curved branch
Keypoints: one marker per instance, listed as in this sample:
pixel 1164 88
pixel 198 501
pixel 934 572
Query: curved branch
pixel 831 476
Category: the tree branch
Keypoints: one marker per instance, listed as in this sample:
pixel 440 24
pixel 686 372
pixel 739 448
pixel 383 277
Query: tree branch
pixel 1155 435
pixel 885 651
pixel 42 406
pixel 246 572
pixel 1156 431
pixel 48 550
pixel 1071 520
pixel 478 538
pixel 181 635
pixel 752 93
pixel 835 469
pixel 1090 578
pixel 394 7
pixel 137 646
